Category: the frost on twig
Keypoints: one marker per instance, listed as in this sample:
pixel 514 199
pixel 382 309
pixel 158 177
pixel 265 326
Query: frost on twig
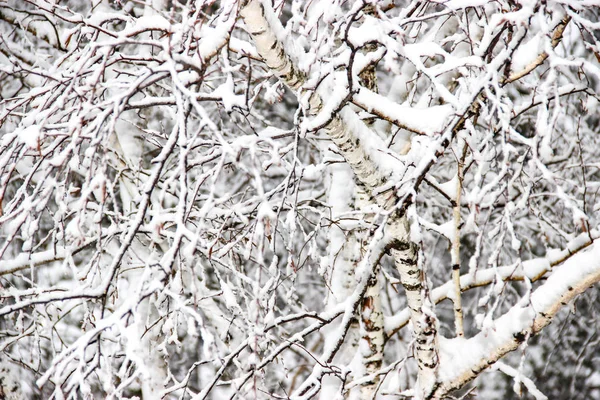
pixel 254 199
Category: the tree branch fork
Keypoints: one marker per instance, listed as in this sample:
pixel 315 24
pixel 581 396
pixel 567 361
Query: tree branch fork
pixel 439 371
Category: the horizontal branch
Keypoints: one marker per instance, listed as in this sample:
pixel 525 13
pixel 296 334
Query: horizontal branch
pixel 26 260
pixel 532 269
pixel 556 38
pixel 423 121
pixel 526 318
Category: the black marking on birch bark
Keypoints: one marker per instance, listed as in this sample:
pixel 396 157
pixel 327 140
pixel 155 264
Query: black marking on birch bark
pixel 412 287
pixel 408 261
pixel 426 349
pixel 428 365
pixel 292 77
pixel 345 146
pixel 413 271
pixel 520 336
pixel 400 245
pixel 415 309
pixel 434 389
pixel 262 10
pixel 456 267
pixel 292 83
pixel 376 362
pixel 282 55
pixel 259 33
pixel 371 282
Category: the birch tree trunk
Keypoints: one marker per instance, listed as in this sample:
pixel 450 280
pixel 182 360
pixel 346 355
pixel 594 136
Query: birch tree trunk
pixel 258 21
pixel 218 199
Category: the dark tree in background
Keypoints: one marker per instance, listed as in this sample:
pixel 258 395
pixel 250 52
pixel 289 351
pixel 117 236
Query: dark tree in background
pixel 299 199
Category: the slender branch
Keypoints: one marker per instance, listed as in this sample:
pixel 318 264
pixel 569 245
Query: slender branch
pixel 556 39
pixel 348 140
pixel 455 253
pixel 533 270
pixel 577 275
pixel 9 15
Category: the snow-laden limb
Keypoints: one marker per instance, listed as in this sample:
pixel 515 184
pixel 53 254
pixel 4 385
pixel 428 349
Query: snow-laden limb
pixel 24 260
pixel 351 137
pixel 520 378
pixel 423 121
pixel 333 342
pixel 461 360
pixel 531 269
pixel 557 35
pixel 268 45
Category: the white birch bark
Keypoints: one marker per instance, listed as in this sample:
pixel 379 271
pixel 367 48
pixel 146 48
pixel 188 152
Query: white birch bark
pixel 371 318
pixel 344 255
pixel 258 22
pixel 10 388
pixel 372 339
pixel 574 277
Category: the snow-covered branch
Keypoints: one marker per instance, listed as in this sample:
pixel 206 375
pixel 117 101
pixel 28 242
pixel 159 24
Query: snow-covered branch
pixel 463 359
pixel 251 198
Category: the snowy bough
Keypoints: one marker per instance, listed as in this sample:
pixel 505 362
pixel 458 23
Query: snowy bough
pixel 299 199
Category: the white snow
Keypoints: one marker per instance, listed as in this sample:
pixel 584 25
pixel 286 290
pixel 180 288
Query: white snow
pixel 30 135
pixel 527 53
pixel 459 355
pixel 428 120
pixel 146 23
pixel 446 229
pixel 450 187
pixel 313 172
pixel 226 92
pixel 228 295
